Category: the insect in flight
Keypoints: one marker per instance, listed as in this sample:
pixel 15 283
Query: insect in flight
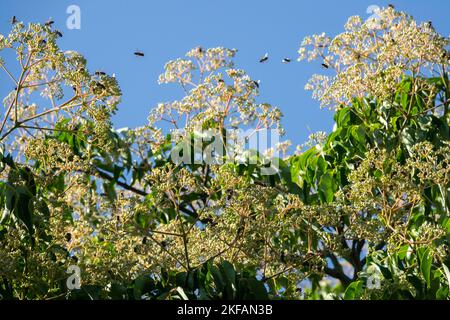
pixel 286 60
pixel 13 20
pixel 138 53
pixel 49 22
pixel 264 58
pixel 325 65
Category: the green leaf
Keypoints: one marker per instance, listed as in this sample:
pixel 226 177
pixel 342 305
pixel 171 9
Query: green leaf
pixel 327 187
pixel 344 117
pixel 447 274
pixel 23 207
pixel 142 284
pixel 118 291
pixel 228 270
pixel 354 291
pixel 110 191
pixel 402 252
pixel 182 294
pixel 425 259
pixel 359 133
pixel 217 276
pixel 230 276
pixel 442 293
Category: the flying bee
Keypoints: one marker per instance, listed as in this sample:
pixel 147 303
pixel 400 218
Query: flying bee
pixel 325 65
pixel 58 33
pixel 164 244
pixel 13 20
pixel 138 53
pixel 240 230
pixel 100 73
pixel 49 22
pixel 209 221
pixel 283 257
pixel 229 193
pixel 97 87
pixel 264 58
pixel 256 83
pixel 286 60
pixel 390 5
pixel 221 80
pixel 100 86
pixel 199 49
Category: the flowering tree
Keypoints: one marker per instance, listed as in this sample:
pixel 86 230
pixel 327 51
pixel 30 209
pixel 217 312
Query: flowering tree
pixel 363 212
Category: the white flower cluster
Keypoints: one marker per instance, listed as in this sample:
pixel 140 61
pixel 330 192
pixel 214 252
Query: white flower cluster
pixel 371 59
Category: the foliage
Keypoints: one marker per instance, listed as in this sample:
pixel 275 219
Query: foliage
pixel 362 213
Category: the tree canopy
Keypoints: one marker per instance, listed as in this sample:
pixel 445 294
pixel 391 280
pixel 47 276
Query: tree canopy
pixel 361 212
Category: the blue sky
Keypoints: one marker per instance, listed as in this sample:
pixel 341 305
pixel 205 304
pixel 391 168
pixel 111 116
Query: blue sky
pixel 164 30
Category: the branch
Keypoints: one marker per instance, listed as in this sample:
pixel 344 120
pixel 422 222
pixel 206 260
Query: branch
pixel 122 184
pixel 9 73
pixel 337 271
pixel 338 275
